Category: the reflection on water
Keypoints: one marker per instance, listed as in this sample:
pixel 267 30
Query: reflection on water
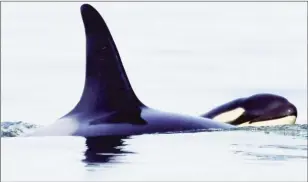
pixel 104 149
pixel 239 155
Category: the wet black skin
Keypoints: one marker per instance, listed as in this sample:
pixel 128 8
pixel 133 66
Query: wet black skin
pixel 108 105
pixel 259 107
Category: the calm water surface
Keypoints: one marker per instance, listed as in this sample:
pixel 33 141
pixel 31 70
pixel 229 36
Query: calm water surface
pixel 268 153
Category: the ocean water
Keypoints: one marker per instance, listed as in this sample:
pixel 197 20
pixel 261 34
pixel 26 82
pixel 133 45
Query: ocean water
pixel 244 154
pixel 277 153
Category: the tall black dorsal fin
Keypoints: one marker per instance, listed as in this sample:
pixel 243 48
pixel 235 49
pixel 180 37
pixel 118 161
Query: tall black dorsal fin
pixel 107 87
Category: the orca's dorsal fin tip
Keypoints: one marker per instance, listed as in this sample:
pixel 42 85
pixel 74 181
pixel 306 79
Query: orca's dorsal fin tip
pixel 92 20
pixel 87 10
pixel 86 7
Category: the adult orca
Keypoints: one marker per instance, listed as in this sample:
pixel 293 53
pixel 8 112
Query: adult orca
pixel 108 105
pixel 257 110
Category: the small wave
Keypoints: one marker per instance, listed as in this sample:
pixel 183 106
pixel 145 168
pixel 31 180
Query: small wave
pixel 298 130
pixel 14 129
pixel 276 157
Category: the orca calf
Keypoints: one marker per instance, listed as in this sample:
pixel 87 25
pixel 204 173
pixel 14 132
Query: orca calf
pixel 108 105
pixel 256 110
